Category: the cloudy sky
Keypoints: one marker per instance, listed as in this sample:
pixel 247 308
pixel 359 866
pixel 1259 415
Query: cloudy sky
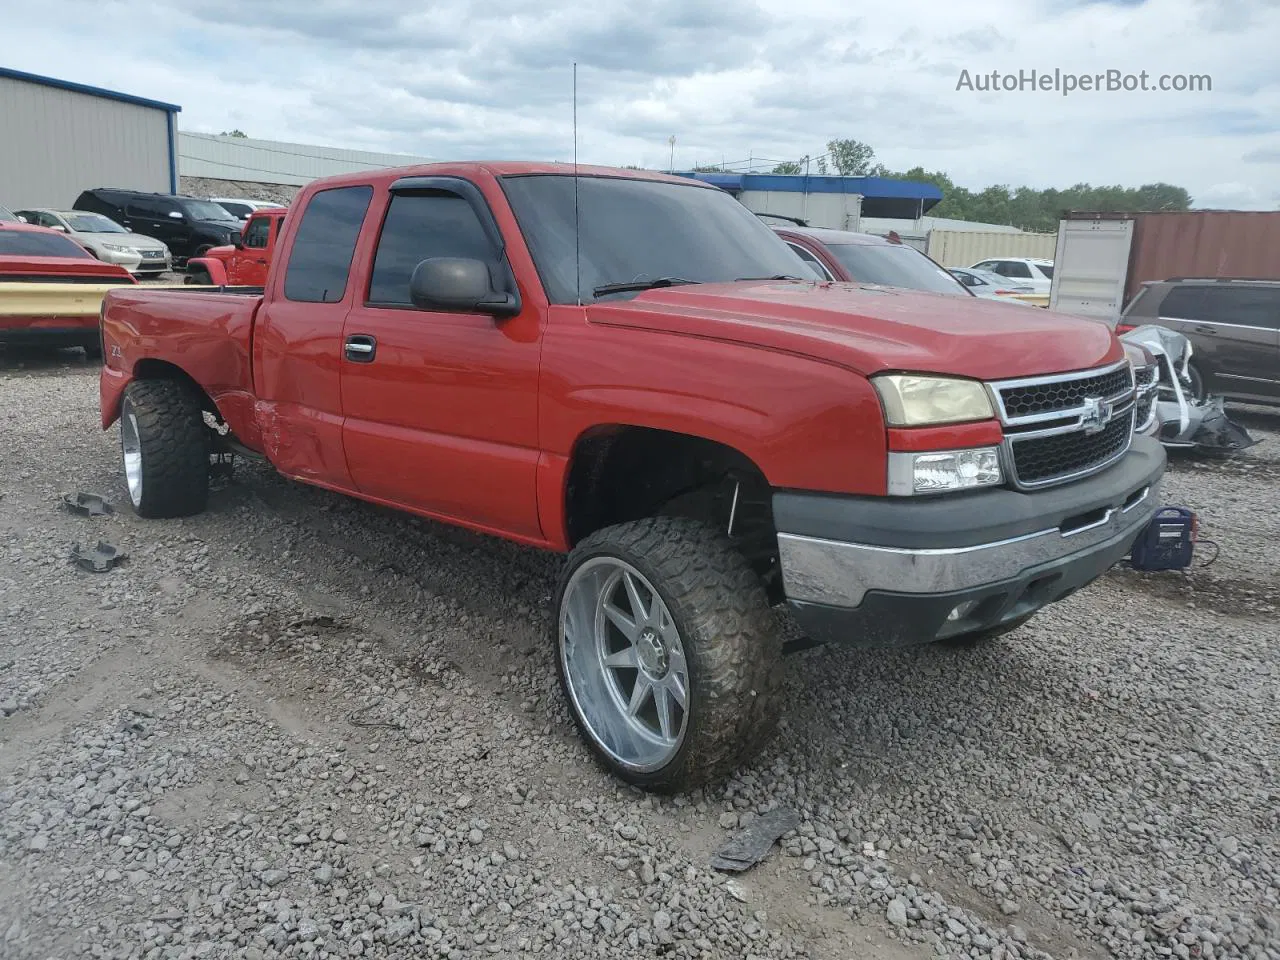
pixel 729 79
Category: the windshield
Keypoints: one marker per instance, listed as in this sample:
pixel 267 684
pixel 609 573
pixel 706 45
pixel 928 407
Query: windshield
pixel 641 230
pixel 892 265
pixel 31 243
pixel 7 214
pixel 205 210
pixel 1046 269
pixel 92 223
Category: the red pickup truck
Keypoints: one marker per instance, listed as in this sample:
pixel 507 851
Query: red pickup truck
pixel 245 260
pixel 631 369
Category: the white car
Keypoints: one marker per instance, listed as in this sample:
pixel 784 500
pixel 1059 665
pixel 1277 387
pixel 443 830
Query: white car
pixel 1023 270
pixel 106 239
pixel 991 286
pixel 241 208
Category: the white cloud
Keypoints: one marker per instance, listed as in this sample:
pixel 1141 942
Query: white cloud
pixel 729 78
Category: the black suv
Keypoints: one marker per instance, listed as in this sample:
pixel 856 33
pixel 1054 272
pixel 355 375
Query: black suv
pixel 187 226
pixel 1233 326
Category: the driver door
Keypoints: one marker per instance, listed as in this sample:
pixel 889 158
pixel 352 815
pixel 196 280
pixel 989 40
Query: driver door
pixel 441 408
pixel 248 265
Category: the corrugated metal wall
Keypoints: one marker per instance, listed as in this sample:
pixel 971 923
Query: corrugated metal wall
pixel 1199 243
pixel 272 161
pixel 964 248
pixel 55 143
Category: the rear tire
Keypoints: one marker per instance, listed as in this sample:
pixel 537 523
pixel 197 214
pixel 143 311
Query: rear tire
pixel 702 611
pixel 164 447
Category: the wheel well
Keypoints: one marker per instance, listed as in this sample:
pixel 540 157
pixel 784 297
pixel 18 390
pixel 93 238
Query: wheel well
pixel 621 473
pixel 151 369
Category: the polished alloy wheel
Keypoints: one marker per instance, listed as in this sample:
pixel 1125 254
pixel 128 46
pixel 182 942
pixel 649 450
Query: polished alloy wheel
pixel 624 664
pixel 131 450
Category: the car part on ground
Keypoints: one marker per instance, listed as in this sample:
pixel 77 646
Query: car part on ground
pixel 87 504
pixel 99 558
pixel 1185 422
pixel 750 845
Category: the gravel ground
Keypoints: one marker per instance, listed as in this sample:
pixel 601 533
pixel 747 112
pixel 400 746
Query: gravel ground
pixel 298 725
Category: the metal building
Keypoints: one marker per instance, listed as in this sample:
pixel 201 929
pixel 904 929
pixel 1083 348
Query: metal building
pixel 58 138
pixel 249 160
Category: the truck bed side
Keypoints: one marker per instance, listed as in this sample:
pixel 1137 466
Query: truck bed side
pixel 206 335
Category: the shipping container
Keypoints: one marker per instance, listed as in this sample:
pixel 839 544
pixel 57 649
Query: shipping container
pixel 964 248
pixel 1102 259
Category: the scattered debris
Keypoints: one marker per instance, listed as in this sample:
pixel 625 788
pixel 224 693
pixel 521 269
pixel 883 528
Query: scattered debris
pixel 97 559
pixel 87 504
pixel 751 844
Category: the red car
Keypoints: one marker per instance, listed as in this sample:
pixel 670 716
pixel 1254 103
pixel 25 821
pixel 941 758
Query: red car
pixel 51 288
pixel 623 367
pixel 244 262
pixel 865 258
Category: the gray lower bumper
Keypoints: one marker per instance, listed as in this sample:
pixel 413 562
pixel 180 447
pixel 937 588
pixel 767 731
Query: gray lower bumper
pixel 1062 536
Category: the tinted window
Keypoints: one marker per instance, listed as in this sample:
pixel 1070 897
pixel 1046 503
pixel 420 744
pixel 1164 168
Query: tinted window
pixel 1011 268
pixel 31 243
pixel 238 209
pixel 816 265
pixel 638 230
pixel 321 256
pixel 893 265
pixel 204 210
pixel 150 208
pixel 1046 269
pixel 419 226
pixel 968 279
pixel 1241 304
pixel 1183 303
pixel 256 235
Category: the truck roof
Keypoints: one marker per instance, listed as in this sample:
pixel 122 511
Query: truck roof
pixel 506 168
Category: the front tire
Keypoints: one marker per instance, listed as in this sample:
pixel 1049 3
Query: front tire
pixel 1197 391
pixel 668 652
pixel 164 446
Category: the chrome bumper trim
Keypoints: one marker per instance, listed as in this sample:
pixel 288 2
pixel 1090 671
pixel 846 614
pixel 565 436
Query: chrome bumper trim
pixel 840 574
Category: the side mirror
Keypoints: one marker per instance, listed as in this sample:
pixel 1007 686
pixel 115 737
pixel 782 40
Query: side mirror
pixel 237 241
pixel 60 228
pixel 175 214
pixel 459 284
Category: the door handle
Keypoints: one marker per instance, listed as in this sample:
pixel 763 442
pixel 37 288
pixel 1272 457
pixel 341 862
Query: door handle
pixel 263 262
pixel 360 348
pixel 1204 329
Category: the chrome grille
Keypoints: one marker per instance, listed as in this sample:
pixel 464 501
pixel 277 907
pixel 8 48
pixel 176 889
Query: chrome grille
pixel 1065 426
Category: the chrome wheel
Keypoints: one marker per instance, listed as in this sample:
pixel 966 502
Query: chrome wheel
pixel 131 451
pixel 624 664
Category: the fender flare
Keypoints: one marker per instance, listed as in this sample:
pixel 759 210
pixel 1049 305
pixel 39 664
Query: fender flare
pixel 216 269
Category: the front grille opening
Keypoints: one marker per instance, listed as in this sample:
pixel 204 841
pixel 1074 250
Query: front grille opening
pixel 1044 459
pixel 1082 520
pixel 1064 394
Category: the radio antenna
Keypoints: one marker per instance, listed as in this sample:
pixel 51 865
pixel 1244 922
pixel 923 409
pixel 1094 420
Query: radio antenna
pixel 577 225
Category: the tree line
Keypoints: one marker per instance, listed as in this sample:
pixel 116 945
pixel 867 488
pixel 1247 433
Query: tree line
pixel 1022 207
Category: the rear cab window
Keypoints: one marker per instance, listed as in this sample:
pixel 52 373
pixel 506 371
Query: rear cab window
pixel 320 259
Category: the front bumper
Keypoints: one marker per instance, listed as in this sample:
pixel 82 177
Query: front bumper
pixel 889 571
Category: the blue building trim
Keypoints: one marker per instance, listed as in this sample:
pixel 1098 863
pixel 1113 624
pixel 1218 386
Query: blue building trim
pixel 870 187
pixel 173 151
pixel 172 108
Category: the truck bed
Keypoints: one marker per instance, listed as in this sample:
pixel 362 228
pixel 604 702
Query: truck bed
pixel 209 330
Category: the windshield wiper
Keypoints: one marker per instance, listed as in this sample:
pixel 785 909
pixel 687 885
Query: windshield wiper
pixel 633 285
pixel 780 276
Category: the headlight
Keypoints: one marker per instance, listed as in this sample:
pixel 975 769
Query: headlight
pixel 943 471
pixel 117 248
pixel 914 401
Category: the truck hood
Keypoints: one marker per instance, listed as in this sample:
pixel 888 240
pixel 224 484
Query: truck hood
pixel 871 329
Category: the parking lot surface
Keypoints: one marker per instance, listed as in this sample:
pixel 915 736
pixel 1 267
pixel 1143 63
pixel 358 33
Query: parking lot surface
pixel 299 725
